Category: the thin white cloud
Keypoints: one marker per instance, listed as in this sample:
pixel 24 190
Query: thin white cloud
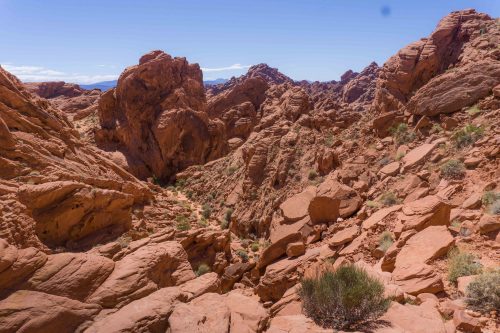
pixel 38 74
pixel 223 69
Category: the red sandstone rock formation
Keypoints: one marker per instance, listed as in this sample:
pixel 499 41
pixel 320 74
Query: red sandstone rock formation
pixel 156 116
pixel 463 48
pixel 55 189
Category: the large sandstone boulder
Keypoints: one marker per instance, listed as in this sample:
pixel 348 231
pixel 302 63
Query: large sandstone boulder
pixel 16 265
pixel 148 314
pixel 230 313
pixel 142 272
pixel 455 89
pixel 460 38
pixel 68 211
pixel 282 275
pixel 350 201
pixel 72 275
pixel 412 271
pixel 412 318
pixel 428 211
pixel 157 116
pixel 32 311
pixel 430 243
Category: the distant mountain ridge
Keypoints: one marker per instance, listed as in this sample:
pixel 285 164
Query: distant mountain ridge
pixel 106 85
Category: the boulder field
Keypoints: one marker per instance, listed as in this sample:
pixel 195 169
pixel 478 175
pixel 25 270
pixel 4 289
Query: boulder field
pixel 163 206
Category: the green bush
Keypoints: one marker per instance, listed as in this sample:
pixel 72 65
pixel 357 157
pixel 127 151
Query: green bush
pixel 494 208
pixel 372 204
pixel 385 241
pixel 242 254
pixel 228 215
pixel 180 183
pixel 399 156
pixel 467 135
pixel 453 169
pixel 472 111
pixel 224 224
pixel 254 247
pixel 401 134
pixel 202 269
pixel 206 211
pixel 203 222
pixel 436 128
pixel 492 201
pixel 461 264
pixel 232 169
pixel 483 294
pixel 312 175
pixel 345 298
pixel 388 199
pixel 182 223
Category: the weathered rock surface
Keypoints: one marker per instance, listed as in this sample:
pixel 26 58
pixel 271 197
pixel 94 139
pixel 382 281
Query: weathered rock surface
pixel 156 116
pixel 142 272
pixel 232 313
pixel 39 148
pixel 32 311
pixel 148 314
pixel 72 275
pixel 457 41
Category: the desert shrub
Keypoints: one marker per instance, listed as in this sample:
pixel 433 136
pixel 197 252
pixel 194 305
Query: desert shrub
pixel 224 224
pixel 436 128
pixel 242 254
pixel 329 140
pixel 483 293
pixel 492 202
pixel 254 247
pixel 461 264
pixel 453 169
pixel 472 111
pixel 228 215
pixel 202 269
pixel 158 181
pixel 203 222
pixel 206 211
pixel 385 241
pixel 402 134
pixel 399 156
pixel 494 208
pixel 180 183
pixel 345 298
pixel 231 170
pixel 388 199
pixel 372 204
pixel 312 175
pixel 490 197
pixel 245 243
pixel 182 223
pixel 467 135
pixel 384 161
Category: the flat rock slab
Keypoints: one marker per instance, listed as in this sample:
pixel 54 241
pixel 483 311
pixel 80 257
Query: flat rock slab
pixel 417 155
pixel 344 236
pixel 425 246
pixel 296 207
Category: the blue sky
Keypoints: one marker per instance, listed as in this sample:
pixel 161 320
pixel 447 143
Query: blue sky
pixel 88 41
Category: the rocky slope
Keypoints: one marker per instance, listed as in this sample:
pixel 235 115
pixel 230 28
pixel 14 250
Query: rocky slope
pixel 388 169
